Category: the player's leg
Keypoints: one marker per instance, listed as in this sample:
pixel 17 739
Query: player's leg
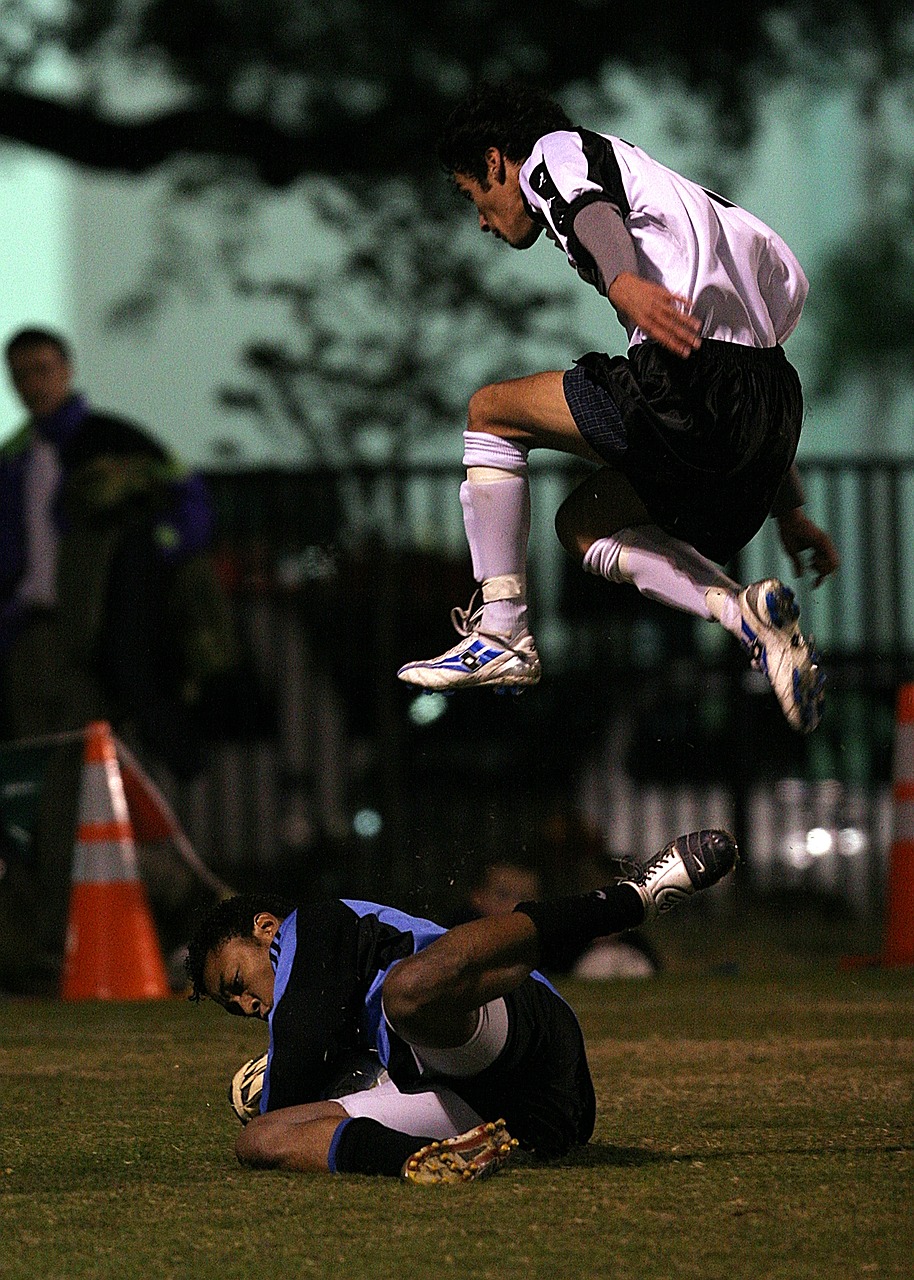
pixel 505 421
pixel 604 524
pixel 430 1114
pixel 449 996
pixel 625 541
pixel 321 1137
pixel 531 413
pixel 457 1146
pixel 432 1136
pixel 294 1138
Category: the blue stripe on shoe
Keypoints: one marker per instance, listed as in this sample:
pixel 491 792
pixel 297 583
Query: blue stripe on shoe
pixel 473 657
pixel 756 650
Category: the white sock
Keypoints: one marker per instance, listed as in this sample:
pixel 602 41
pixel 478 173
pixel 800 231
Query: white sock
pixel 668 570
pixel 496 516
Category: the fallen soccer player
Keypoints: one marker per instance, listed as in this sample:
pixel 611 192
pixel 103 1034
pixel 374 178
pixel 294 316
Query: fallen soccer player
pixel 480 1053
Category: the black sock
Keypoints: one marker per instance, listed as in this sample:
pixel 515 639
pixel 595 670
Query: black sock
pixel 362 1145
pixel 565 922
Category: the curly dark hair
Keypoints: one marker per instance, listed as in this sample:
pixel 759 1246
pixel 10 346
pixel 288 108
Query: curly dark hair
pixel 231 918
pixel 510 116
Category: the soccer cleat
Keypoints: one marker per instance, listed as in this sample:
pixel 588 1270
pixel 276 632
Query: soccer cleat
pixel 686 866
pixel 772 638
pixel 476 1154
pixel 478 659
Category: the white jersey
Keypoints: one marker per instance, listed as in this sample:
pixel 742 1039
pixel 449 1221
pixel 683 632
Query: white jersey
pixel 745 284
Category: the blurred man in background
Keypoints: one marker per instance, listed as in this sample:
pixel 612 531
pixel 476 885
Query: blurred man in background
pixel 109 609
pixel 499 885
pixel 107 606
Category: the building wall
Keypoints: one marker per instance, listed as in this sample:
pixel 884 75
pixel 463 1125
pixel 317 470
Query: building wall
pixel 77 244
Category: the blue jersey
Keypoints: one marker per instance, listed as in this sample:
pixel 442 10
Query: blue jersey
pixel 330 960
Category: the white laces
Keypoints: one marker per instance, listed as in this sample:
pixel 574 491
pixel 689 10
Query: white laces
pixel 466 623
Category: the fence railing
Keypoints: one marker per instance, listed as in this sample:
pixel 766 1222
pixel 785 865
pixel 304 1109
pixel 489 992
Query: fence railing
pixel 341 576
pixel 866 504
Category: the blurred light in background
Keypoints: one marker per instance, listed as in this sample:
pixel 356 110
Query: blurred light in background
pixel 819 842
pixel 367 823
pixel 801 849
pixel 851 842
pixel 427 708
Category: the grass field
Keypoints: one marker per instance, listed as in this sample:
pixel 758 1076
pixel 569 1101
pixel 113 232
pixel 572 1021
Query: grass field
pixel 750 1126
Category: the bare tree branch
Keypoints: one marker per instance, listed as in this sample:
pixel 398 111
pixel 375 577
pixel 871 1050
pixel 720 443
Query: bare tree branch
pixel 278 157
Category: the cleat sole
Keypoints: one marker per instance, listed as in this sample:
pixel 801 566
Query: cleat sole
pixel 473 1155
pixel 775 646
pixel 782 606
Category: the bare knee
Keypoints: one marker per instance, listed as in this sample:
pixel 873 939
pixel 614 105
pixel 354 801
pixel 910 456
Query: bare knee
pixel 256 1144
pixel 571 532
pixel 425 997
pixel 296 1138
pixel 482 415
pixel 600 506
pixel 407 991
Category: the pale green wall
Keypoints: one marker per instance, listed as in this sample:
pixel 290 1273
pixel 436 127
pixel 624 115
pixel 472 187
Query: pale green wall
pixel 38 277
pixel 74 240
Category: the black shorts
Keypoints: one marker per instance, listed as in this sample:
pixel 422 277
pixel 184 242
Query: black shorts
pixel 540 1082
pixel 705 441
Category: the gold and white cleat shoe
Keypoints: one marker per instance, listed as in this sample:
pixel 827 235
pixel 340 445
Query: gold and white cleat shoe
pixel 476 1154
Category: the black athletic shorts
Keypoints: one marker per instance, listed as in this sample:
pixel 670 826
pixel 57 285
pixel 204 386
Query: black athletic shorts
pixel 705 441
pixel 540 1082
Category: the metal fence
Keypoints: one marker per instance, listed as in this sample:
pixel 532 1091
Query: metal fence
pixel 645 720
pixel 290 519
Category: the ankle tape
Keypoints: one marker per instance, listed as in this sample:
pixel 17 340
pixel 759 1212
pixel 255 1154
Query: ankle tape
pixel 507 586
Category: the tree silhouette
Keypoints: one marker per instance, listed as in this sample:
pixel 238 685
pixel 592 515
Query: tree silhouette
pixel 231 98
pixel 355 86
pixel 864 291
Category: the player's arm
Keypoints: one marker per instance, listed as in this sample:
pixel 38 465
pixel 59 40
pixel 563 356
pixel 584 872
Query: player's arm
pixel 303 1055
pixel 802 539
pixel 643 304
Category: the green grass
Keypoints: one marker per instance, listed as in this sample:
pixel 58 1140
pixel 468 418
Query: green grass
pixel 750 1127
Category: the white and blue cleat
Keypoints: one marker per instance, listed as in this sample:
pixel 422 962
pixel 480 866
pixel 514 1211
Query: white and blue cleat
pixel 479 659
pixel 772 638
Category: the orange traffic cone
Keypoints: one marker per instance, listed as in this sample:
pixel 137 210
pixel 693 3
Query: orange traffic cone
pixel 112 951
pixel 899 931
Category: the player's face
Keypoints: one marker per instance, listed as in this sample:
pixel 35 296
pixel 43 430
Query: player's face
pixel 238 974
pixel 499 203
pixel 42 377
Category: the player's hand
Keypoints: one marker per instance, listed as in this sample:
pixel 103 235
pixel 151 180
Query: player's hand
pixel 807 545
pixel 666 317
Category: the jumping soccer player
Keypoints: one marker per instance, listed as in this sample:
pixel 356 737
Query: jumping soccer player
pixel 465 1026
pixel 695 429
